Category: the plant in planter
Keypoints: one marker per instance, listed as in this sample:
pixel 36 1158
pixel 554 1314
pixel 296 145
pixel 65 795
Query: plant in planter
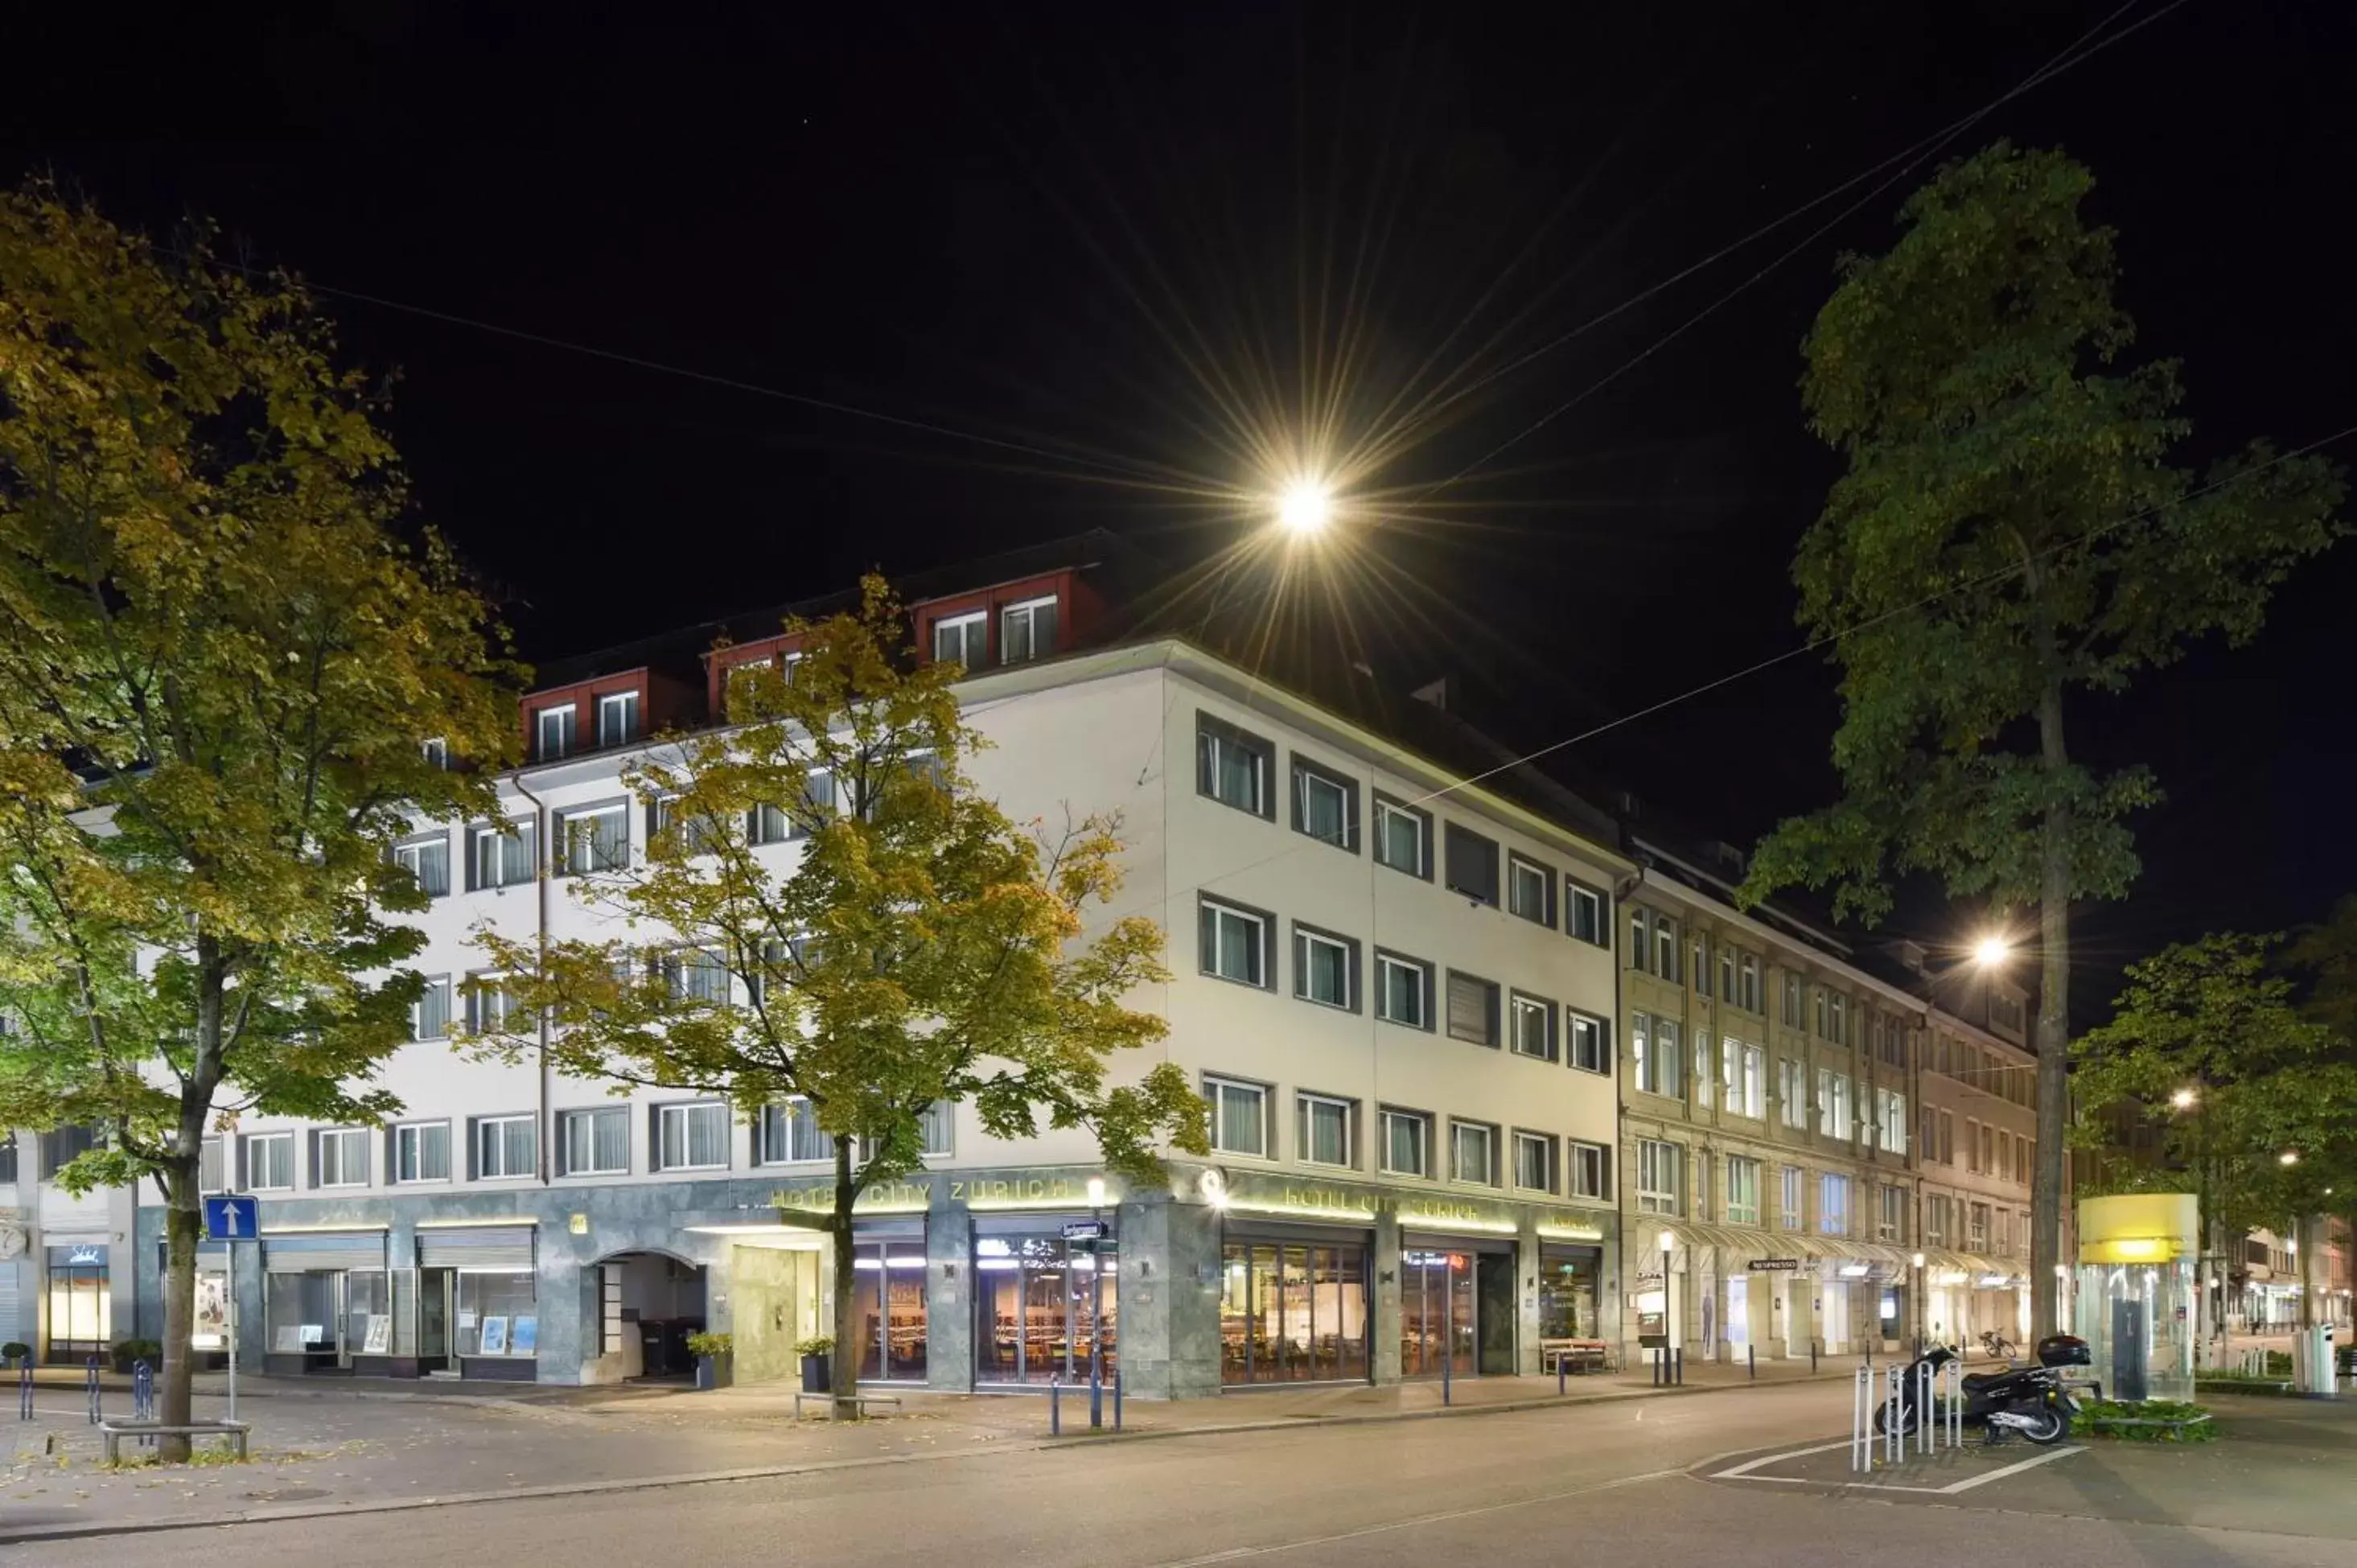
pixel 713 1353
pixel 129 1352
pixel 816 1354
pixel 16 1353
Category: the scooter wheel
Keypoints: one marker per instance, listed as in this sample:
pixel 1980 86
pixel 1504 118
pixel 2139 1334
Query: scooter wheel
pixel 2046 1427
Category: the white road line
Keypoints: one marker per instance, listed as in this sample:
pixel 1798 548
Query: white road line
pixel 2031 1463
pixel 1743 1472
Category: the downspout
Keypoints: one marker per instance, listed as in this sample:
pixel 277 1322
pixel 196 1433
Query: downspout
pixel 540 879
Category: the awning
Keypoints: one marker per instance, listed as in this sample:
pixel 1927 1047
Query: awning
pixel 322 1252
pixel 1971 1263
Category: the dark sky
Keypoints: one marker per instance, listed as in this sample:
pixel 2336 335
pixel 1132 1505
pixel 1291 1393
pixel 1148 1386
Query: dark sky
pixel 1114 236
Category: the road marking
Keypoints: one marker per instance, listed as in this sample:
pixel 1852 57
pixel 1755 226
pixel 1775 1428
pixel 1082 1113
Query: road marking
pixel 2031 1463
pixel 1743 1472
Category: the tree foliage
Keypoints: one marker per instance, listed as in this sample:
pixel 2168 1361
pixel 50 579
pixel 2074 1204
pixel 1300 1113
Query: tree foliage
pixel 827 910
pixel 2012 529
pixel 220 654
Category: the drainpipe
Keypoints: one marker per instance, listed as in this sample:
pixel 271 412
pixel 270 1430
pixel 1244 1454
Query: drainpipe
pixel 540 879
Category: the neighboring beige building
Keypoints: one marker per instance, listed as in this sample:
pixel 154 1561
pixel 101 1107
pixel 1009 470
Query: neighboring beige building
pixel 1976 1138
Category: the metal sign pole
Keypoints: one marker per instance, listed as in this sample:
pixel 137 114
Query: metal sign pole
pixel 229 1318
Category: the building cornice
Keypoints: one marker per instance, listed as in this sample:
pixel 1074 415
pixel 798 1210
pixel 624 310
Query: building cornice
pixel 1652 881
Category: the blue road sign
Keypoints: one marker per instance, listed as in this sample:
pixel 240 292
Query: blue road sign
pixel 233 1217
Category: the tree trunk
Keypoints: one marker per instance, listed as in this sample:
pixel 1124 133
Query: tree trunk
pixel 844 1364
pixel 2053 1036
pixel 2309 1236
pixel 183 1226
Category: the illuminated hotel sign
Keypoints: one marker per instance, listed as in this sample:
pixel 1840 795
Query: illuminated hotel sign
pixel 1016 1189
pixel 1348 1203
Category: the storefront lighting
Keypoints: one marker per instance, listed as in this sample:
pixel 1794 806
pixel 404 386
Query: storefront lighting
pixel 470 1224
pixel 1917 1260
pixel 1096 1192
pixel 1349 1215
pixel 1853 1271
pixel 1570 1233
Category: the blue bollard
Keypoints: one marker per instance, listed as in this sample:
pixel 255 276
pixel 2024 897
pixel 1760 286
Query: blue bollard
pixel 1447 1361
pixel 1055 1407
pixel 90 1384
pixel 1096 1402
pixel 1562 1363
pixel 1117 1399
pixel 143 1397
pixel 24 1390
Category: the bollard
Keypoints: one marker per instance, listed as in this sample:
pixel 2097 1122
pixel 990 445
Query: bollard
pixel 24 1390
pixel 1812 1358
pixel 1678 1363
pixel 1055 1407
pixel 1955 1404
pixel 90 1384
pixel 143 1398
pixel 1561 1363
pixel 1923 1407
pixel 1447 1361
pixel 1894 1418
pixel 1861 1423
pixel 1117 1399
pixel 1752 1362
pixel 1096 1402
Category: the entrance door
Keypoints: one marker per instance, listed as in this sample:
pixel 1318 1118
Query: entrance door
pixel 1438 1315
pixel 435 1353
pixel 1739 1313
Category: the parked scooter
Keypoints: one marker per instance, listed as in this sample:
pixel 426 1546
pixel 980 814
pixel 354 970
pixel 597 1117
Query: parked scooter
pixel 2032 1400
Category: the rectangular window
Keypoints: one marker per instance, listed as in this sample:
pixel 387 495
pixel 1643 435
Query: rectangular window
pixel 693 974
pixel 1727 974
pixel 1792 1092
pixel 703 833
pixel 1530 891
pixel 1746 1095
pixel 1324 1129
pixel 1588 913
pixel 1473 1152
pixel 1890 1217
pixel 2001 1239
pixel 596 838
pixel 270 1161
pixel 1027 631
pixel 617 718
pixel 488 1006
pixel 421 1152
pixel 1640 940
pixel 436 752
pixel 340 1157
pixel 429 1015
pixel 1535 1154
pixel 1234 768
pixel 1591 1166
pixel 1977 1228
pixel 1403 837
pixel 1833 1103
pixel 427 861
pixel 691 1137
pixel 1473 1009
pixel 1704 1073
pixel 1700 967
pixel 1947 1138
pixel 1657 1177
pixel 1665 950
pixel 1325 968
pixel 963 640
pixel 1325 805
pixel 213 1174
pixel 553 733
pixel 1792 989
pixel 1235 943
pixel 1840 1035
pixel 1404 990
pixel 1591 1041
pixel 1788 1198
pixel 1407 1143
pixel 1935 1220
pixel 1533 1027
pixel 1742 1190
pixel 1890 1117
pixel 1472 863
pixel 1975 1146
pixel 507 1147
pixel 1833 1204
pixel 937 1129
pixel 594 1143
pixel 501 856
pixel 788 1133
pixel 1658 1070
pixel 1747 980
pixel 1239 1116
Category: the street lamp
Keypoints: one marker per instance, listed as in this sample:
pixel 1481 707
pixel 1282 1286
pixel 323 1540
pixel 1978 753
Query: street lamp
pixel 1992 951
pixel 2288 1157
pixel 2183 1099
pixel 1305 506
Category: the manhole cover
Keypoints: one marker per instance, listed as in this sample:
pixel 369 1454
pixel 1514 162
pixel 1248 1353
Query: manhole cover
pixel 289 1495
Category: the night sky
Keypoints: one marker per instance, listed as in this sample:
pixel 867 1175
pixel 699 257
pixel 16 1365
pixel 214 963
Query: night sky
pixel 1109 237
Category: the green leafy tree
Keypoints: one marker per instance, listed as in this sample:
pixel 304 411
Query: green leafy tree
pixel 219 662
pixel 826 911
pixel 2011 532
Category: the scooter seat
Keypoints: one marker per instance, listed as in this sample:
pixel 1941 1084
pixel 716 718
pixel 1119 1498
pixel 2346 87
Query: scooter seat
pixel 1974 1381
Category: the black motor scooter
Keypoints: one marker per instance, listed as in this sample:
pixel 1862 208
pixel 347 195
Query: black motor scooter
pixel 2031 1401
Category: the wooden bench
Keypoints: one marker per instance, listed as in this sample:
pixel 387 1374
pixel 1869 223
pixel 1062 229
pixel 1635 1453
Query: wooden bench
pixel 861 1401
pixel 113 1432
pixel 1574 1354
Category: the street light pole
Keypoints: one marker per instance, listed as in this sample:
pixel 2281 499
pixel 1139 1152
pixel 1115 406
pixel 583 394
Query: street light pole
pixel 1096 1304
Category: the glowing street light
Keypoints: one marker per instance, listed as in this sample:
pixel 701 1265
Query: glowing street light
pixel 2183 1099
pixel 1992 951
pixel 1304 507
pixel 2288 1157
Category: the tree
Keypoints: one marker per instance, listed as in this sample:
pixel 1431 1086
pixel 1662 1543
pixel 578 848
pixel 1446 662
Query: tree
pixel 2009 534
pixel 219 665
pixel 914 947
pixel 2209 1069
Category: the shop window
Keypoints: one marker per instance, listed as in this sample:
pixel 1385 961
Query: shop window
pixel 80 1318
pixel 1034 1293
pixel 497 1315
pixel 888 1293
pixel 1292 1313
pixel 1568 1287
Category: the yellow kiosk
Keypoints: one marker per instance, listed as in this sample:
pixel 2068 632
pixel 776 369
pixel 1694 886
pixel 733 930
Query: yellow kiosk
pixel 2135 1305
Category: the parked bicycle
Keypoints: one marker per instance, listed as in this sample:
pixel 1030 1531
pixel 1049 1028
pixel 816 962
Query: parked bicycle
pixel 1997 1347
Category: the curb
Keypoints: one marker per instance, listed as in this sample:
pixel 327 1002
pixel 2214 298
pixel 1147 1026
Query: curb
pixel 95 1528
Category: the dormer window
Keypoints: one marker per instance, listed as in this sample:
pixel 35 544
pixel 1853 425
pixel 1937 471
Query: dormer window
pixel 1027 631
pixel 962 640
pixel 617 718
pixel 553 733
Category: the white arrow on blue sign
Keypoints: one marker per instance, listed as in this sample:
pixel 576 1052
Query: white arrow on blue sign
pixel 233 1217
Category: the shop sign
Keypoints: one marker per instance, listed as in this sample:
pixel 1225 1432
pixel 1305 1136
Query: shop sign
pixel 1772 1265
pixel 1362 1205
pixel 85 1257
pixel 914 1196
pixel 1084 1229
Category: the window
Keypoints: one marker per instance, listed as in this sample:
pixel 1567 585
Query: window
pixel 1472 863
pixel 693 974
pixel 1533 1030
pixel 1656 1041
pixel 1640 940
pixel 1473 1152
pixel 1700 967
pixel 427 861
pixel 1976 1227
pixel 1704 1074
pixel 1819 997
pixel 1404 990
pixel 1235 943
pixel 1587 913
pixel 1407 1143
pixel 1591 1041
pixel 1727 974
pixel 1665 949
pixel 691 1137
pixel 1657 1177
pixel 499 857
pixel 1891 1213
pixel 1239 1116
pixel 60 1146
pixel 436 752
pixel 1947 1138
pixel 1742 1191
pixel 962 640
pixel 1833 1204
pixel 1791 1180
pixel 1792 1092
pixel 2024 1161
pixel 1535 1154
pixel 789 1134
pixel 1746 1085
pixel 1840 1035
pixel 553 733
pixel 1833 1103
pixel 1324 1132
pixel 340 1158
pixel 594 1143
pixel 1747 981
pixel 1530 890
pixel 1935 1220
pixel 617 718
pixel 1890 1119
pixel 2001 1234
pixel 1591 1166
pixel 1976 1146
pixel 421 1152
pixel 937 1129
pixel 213 1175
pixel 1473 1009
pixel 1927 1133
pixel 1027 631
pixel 270 1161
pixel 1792 989
pixel 1232 766
pixel 506 1146
pixel 1325 805
pixel 700 834
pixel 488 1006
pixel 768 824
pixel 429 1015
pixel 594 839
pixel 1325 968
pixel 1403 837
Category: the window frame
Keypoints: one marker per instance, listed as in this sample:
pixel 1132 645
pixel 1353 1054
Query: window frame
pixel 1426 978
pixel 1495 1002
pixel 1216 1086
pixel 1521 1004
pixel 416 843
pixel 1791 1198
pixel 1517 1139
pixel 1599 1029
pixel 1829 1183
pixel 1209 727
pixel 1305 772
pixel 1577 892
pixel 480 1135
pixel 1304 1100
pixel 1386 806
pixel 1306 936
pixel 346 1139
pixel 1486 853
pixel 569 715
pixel 413 1133
pixel 1423 1123
pixel 663 1110
pixel 1209 909
pixel 1489 1130
pixel 1652 1197
pixel 1029 610
pixel 962 623
pixel 493 836
pixel 435 984
pixel 1730 1204
pixel 629 705
pixel 565 1121
pixel 1535 873
pixel 1579 1156
pixel 562 865
pixel 284 1139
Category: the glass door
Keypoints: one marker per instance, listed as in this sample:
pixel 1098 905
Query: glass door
pixel 1438 1315
pixel 435 1350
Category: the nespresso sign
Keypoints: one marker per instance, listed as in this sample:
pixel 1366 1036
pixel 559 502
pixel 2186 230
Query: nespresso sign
pixel 1773 1266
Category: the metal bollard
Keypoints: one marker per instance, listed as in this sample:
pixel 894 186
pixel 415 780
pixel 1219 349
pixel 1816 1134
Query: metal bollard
pixel 1562 1364
pixel 1752 1362
pixel 1678 1362
pixel 143 1398
pixel 1861 1423
pixel 1955 1404
pixel 1925 1407
pixel 24 1390
pixel 1812 1358
pixel 1447 1361
pixel 1117 1399
pixel 89 1385
pixel 1894 1424
pixel 1096 1402
pixel 1055 1407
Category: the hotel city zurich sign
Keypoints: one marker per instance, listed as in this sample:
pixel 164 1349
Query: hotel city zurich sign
pixel 1061 1189
pixel 1278 1197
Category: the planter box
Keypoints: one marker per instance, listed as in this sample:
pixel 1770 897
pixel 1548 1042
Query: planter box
pixel 818 1375
pixel 715 1371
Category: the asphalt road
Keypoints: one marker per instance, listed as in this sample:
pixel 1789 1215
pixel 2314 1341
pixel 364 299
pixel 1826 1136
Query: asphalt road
pixel 1606 1482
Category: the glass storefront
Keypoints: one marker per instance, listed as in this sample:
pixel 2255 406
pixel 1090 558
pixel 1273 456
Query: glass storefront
pixel 1293 1312
pixel 1567 1283
pixel 1032 1297
pixel 303 1314
pixel 497 1314
pixel 81 1305
pixel 1436 1313
pixel 888 1292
